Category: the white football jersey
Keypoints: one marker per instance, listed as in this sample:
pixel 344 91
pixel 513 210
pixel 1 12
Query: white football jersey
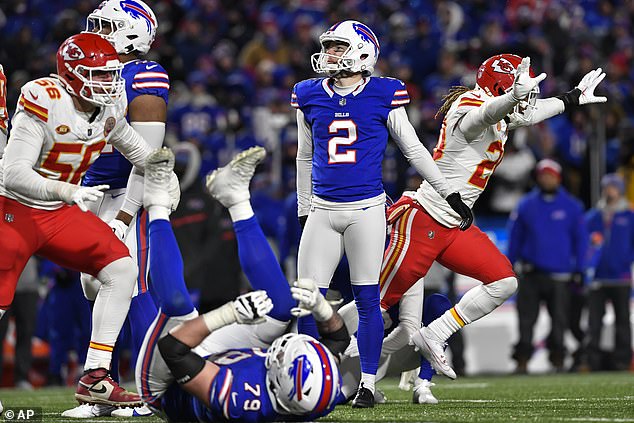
pixel 466 165
pixel 71 144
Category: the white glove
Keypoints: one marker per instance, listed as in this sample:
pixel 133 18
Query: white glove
pixel 587 85
pixel 310 300
pixel 119 228
pixel 174 191
pixel 524 84
pixel 250 308
pixel 83 194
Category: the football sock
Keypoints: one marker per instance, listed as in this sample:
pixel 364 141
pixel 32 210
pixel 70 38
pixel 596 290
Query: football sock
pixel 370 331
pixel 426 371
pixel 142 312
pixel 241 211
pixel 110 310
pixel 158 213
pixel 474 304
pixel 367 381
pixel 167 269
pixel 261 267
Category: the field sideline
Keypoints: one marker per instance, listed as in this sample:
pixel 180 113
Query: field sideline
pixel 599 397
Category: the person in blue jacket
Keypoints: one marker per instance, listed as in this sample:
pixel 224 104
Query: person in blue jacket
pixel 611 227
pixel 547 246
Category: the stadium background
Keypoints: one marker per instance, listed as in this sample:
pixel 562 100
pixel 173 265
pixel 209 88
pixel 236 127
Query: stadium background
pixel 232 65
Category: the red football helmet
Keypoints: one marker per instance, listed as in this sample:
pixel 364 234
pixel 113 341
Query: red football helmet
pixel 496 76
pixel 89 67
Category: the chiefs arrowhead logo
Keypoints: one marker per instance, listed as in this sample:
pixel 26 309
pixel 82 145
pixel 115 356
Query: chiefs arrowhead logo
pixel 62 129
pixel 502 65
pixel 72 52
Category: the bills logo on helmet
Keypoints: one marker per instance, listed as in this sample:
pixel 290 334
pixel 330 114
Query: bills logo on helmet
pixel 502 65
pixel 137 11
pixel 299 371
pixel 72 52
pixel 366 35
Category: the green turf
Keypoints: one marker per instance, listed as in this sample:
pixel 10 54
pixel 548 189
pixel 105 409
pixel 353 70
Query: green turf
pixel 601 397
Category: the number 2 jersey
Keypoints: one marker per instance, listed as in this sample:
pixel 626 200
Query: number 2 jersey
pixel 349 134
pixel 238 393
pixel 69 144
pixel 142 77
pixel 467 165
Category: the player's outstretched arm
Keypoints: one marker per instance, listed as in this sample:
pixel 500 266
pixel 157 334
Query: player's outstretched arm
pixel 330 325
pixel 191 370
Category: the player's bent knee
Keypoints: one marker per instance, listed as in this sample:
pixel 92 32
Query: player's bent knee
pixel 90 285
pixel 503 288
pixel 182 362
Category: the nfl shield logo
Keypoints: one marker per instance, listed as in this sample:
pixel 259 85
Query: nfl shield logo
pixel 8 217
pixel 431 234
pixel 342 102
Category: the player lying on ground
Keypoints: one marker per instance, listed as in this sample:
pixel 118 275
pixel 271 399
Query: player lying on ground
pixel 296 378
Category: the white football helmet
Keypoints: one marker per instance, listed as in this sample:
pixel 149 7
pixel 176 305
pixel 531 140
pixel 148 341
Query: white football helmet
pixel 130 25
pixel 361 55
pixel 302 374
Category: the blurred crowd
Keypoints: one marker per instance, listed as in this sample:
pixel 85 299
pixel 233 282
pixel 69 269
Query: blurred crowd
pixel 232 65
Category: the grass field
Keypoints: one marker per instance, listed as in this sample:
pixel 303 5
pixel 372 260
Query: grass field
pixel 601 397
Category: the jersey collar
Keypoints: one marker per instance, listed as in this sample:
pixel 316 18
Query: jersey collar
pixel 327 83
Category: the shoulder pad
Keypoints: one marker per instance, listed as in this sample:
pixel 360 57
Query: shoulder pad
pixel 37 97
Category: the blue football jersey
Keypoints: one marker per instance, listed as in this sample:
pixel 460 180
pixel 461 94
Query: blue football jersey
pixel 349 134
pixel 142 77
pixel 238 393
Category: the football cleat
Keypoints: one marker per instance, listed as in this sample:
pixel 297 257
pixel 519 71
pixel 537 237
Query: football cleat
pixel 87 411
pixel 142 411
pixel 422 392
pixel 363 399
pixel 97 387
pixel 407 379
pixel 433 350
pixel 158 171
pixel 230 184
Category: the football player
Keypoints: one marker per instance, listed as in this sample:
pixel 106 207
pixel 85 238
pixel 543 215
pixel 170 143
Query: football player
pixel 470 146
pixel 297 378
pixel 61 125
pixel 130 26
pixel 344 121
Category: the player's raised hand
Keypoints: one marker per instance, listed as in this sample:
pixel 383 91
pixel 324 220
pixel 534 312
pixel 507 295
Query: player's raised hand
pixel 587 85
pixel 4 114
pixel 310 300
pixel 524 83
pixel 250 308
pixel 87 194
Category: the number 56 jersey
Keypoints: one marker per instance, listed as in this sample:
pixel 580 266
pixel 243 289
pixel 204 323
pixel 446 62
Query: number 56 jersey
pixel 67 142
pixel 467 164
pixel 349 134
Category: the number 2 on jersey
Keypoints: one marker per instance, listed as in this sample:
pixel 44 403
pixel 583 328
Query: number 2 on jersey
pixel 350 156
pixel 479 179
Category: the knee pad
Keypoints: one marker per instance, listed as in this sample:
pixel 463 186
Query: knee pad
pixel 502 289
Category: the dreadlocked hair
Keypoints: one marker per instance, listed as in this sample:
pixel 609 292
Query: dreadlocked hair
pixel 454 92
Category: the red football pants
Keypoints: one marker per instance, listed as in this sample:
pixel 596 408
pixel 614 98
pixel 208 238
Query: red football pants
pixel 416 240
pixel 67 236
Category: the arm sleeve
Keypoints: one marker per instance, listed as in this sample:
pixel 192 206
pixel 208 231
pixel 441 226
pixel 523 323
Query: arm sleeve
pixel 410 315
pixel 304 164
pixel 131 145
pixel 545 109
pixel 488 113
pixel 404 134
pixel 3 142
pixel 153 133
pixel 27 137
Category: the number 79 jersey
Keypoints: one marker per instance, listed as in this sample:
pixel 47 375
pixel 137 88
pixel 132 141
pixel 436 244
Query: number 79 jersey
pixel 349 134
pixel 467 165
